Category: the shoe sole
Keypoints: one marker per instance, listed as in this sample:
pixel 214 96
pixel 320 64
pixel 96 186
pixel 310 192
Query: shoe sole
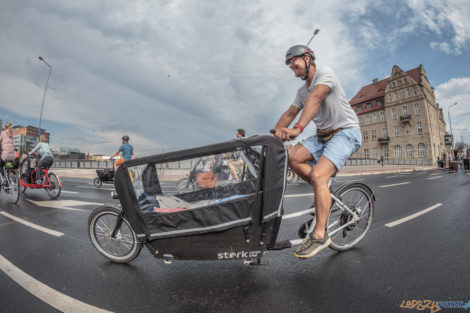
pixel 318 249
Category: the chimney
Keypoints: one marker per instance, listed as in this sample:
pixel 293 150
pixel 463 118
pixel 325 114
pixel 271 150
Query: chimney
pixel 375 80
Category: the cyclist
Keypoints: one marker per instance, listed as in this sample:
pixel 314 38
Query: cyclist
pixel 127 152
pixel 338 135
pixel 46 157
pixel 7 148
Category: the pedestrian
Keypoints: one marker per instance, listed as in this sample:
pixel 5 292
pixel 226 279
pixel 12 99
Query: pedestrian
pixel 382 160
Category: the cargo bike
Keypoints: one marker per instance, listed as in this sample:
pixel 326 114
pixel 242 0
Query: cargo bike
pixel 237 220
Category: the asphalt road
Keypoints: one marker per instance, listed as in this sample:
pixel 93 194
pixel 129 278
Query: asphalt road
pixel 425 258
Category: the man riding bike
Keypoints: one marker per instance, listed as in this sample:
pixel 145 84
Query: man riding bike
pixel 338 136
pixel 127 152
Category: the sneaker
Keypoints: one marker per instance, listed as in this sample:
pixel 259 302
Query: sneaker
pixel 312 246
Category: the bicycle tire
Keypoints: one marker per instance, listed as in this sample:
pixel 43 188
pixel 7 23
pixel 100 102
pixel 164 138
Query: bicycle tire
pixel 97 182
pixel 122 249
pixel 54 190
pixel 185 185
pixel 14 190
pixel 353 234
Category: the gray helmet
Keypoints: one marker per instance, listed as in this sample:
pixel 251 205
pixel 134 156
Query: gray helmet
pixel 298 50
pixel 125 138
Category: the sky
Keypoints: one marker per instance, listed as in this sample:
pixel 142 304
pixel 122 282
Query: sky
pixel 179 74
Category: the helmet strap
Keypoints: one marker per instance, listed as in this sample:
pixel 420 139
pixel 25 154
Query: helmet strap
pixel 307 67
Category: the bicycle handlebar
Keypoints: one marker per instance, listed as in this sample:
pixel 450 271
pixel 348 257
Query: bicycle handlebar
pixel 272 131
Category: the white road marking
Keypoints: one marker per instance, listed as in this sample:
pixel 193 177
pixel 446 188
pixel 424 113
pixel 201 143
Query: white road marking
pixel 29 224
pixel 66 191
pixel 435 174
pixel 404 183
pixel 412 216
pixel 299 195
pixel 394 176
pixel 63 204
pixel 50 296
pixel 89 187
pixel 434 177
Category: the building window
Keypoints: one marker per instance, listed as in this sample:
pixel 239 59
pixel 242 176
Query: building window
pixel 374 134
pixel 420 128
pixel 368 105
pixel 375 117
pixel 417 108
pixel 359 108
pixel 406 81
pixel 367 119
pixel 382 115
pixel 385 152
pixel 396 131
pixel 390 97
pixel 409 92
pixel 399 82
pixel 366 135
pixel 393 84
pixel 384 132
pixel 394 114
pixel 360 120
pixel 416 93
pixel 408 129
pixel 379 103
pixel 396 95
pixel 409 151
pixel 398 151
pixel 405 110
pixel 366 153
pixel 375 153
pixel 421 149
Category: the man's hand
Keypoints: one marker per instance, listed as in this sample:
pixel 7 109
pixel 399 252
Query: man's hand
pixel 286 134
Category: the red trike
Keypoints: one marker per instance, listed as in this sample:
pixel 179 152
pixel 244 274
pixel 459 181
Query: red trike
pixel 29 177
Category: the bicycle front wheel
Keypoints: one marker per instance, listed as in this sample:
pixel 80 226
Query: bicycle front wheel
pixel 54 189
pixel 124 247
pixel 13 188
pixel 185 185
pixel 359 199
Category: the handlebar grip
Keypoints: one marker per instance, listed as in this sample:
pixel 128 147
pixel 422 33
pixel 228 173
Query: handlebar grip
pixel 272 131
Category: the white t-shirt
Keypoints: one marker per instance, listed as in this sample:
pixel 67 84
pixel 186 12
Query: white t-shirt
pixel 334 111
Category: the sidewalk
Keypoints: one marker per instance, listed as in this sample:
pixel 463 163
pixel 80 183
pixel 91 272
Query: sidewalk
pixel 177 174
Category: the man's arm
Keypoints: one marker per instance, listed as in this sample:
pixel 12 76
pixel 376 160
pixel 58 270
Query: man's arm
pixel 286 118
pixel 311 106
pixel 114 154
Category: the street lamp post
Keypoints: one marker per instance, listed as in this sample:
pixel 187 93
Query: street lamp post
pixel 45 90
pixel 461 136
pixel 450 122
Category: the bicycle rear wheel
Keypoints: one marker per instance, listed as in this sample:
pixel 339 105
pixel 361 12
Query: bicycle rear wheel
pixel 360 200
pixel 54 190
pixel 185 185
pixel 121 249
pixel 13 188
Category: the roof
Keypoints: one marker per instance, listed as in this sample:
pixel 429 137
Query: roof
pixel 377 90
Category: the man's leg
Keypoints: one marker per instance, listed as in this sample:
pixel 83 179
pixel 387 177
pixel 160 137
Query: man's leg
pixel 320 175
pixel 298 158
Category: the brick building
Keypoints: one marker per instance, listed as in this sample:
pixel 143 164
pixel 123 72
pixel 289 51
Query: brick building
pixel 399 118
pixel 25 138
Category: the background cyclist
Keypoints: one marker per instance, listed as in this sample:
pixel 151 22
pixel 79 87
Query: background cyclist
pixel 322 100
pixel 127 152
pixel 7 148
pixel 45 153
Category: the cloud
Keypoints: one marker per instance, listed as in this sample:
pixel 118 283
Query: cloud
pixel 456 90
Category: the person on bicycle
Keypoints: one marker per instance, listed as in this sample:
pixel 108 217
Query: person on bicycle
pixel 338 136
pixel 7 148
pixel 127 152
pixel 45 154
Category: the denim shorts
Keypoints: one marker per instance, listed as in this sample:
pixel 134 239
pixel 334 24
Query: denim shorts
pixel 338 149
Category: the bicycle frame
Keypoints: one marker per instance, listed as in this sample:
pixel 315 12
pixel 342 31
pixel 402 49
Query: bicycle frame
pixel 46 182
